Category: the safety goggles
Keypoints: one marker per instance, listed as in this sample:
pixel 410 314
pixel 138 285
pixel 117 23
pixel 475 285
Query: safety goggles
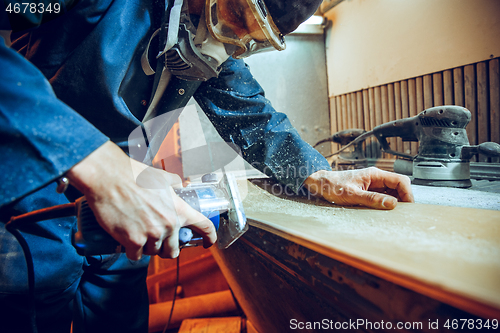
pixel 245 24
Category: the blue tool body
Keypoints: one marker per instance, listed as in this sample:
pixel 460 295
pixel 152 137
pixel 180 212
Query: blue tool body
pixel 91 239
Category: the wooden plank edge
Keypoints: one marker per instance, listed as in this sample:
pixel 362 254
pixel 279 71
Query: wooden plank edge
pixel 482 308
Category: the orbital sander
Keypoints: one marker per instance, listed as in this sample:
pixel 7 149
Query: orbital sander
pixel 444 152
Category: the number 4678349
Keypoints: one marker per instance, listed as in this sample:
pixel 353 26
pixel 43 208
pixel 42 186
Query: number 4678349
pixel 33 8
pixel 471 324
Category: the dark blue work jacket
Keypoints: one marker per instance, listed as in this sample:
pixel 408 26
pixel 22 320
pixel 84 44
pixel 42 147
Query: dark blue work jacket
pixel 84 85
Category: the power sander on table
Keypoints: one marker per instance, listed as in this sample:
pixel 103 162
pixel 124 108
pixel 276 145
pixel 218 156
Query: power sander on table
pixel 444 152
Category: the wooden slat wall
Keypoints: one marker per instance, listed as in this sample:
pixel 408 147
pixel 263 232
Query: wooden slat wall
pixel 475 86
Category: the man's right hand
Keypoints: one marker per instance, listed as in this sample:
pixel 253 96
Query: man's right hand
pixel 144 219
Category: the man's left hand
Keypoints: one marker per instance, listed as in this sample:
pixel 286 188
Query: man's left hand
pixel 369 187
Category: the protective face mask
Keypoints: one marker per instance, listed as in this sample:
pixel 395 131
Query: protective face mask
pixel 191 53
pixel 251 29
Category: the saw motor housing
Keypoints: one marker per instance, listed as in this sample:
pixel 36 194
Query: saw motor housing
pixel 218 201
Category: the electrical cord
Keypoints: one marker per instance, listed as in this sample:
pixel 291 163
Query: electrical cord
pixel 353 142
pixel 31 273
pixel 175 296
pixel 60 211
pixel 322 141
pixel 33 217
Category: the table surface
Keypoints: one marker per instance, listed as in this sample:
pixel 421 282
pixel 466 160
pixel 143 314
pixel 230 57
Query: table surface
pixel 449 253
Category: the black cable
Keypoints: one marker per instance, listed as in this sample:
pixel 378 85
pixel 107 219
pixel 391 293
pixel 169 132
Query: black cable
pixel 31 272
pixel 355 141
pixel 33 217
pixel 175 296
pixel 44 214
pixel 322 141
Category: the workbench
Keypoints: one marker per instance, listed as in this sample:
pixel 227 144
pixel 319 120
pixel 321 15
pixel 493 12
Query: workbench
pixel 309 266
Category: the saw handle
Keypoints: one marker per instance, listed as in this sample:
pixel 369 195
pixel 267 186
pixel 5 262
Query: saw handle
pixel 91 239
pixel 490 149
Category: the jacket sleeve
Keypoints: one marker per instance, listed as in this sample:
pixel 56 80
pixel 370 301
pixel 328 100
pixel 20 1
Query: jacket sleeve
pixel 41 137
pixel 236 105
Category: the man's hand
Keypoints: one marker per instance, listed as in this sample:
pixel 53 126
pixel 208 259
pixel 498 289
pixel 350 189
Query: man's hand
pixel 369 187
pixel 143 215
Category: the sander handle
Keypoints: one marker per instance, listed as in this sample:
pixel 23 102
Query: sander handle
pixel 490 149
pixel 403 128
pixel 343 137
pixel 346 136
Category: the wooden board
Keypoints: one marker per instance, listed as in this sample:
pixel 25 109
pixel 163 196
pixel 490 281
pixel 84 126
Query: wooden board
pixel 354 110
pixel 470 101
pixel 448 87
pixel 333 122
pixel 359 110
pixel 303 263
pixel 399 112
pixel 458 86
pixel 483 118
pixel 405 112
pixel 446 253
pixel 495 102
pixel 412 101
pixel 437 86
pixel 211 325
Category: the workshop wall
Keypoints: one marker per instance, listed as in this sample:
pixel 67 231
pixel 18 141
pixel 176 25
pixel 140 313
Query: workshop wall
pixel 475 86
pixel 370 43
pixel 391 59
pixel 295 82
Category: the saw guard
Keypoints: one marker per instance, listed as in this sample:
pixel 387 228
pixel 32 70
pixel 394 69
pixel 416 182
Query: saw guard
pixel 235 225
